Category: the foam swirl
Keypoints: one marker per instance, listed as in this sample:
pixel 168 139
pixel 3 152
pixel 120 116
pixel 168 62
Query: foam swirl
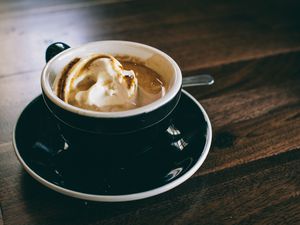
pixel 97 82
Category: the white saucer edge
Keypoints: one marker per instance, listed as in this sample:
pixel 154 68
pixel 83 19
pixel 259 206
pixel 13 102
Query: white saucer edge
pixel 129 197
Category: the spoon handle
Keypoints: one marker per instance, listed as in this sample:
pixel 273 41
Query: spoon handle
pixel 197 80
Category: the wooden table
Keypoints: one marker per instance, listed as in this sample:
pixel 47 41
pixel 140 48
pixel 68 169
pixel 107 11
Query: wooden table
pixel 251 175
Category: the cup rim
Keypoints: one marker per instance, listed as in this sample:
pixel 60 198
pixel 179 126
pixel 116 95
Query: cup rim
pixel 171 93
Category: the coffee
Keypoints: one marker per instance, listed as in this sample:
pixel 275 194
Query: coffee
pixel 106 84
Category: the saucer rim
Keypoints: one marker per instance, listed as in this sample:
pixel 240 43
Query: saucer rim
pixel 126 197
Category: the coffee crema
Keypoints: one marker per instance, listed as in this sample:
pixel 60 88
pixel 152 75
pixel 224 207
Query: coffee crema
pixel 104 83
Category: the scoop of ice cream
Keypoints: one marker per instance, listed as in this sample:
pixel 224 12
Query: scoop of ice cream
pixel 97 81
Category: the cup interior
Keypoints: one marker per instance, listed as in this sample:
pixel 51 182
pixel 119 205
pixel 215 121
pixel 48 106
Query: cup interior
pixel 153 58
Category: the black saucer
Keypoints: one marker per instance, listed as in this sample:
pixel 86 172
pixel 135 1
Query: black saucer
pixel 45 156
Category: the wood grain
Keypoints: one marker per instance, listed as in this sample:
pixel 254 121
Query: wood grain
pixel 196 33
pixel 1 217
pixel 253 121
pixel 251 175
pixel 248 194
pixel 256 113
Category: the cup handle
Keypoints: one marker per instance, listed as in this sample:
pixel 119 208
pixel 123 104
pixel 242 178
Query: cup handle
pixel 54 49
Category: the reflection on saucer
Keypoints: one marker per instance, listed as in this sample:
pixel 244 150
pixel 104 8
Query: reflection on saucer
pixel 180 144
pixel 172 130
pixel 173 173
pixel 159 167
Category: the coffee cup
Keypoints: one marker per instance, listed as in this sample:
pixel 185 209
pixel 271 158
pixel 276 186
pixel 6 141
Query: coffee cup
pixel 121 132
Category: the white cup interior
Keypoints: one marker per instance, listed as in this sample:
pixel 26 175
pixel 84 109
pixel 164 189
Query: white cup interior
pixel 155 59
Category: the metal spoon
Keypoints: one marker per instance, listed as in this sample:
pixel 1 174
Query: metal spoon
pixel 197 80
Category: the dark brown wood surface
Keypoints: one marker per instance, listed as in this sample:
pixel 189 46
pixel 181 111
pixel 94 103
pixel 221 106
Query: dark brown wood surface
pixel 251 175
